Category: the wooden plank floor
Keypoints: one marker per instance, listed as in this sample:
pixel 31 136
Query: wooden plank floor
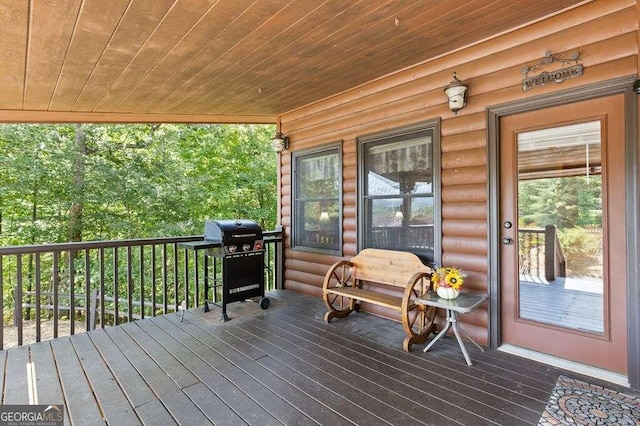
pixel 281 366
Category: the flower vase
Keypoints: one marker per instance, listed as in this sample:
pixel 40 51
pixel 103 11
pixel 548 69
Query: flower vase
pixel 447 292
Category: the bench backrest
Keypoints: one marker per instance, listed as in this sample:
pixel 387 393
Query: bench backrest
pixel 387 266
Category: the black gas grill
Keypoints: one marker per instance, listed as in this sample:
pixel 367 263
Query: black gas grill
pixel 242 253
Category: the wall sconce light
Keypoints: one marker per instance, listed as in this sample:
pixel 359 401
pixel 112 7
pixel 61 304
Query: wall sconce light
pixel 457 92
pixel 398 216
pixel 324 217
pixel 280 142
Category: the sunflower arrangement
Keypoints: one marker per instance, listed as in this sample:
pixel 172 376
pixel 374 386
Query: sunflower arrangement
pixel 448 277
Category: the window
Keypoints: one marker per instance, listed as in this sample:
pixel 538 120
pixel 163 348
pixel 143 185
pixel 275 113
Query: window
pixel 399 191
pixel 317 195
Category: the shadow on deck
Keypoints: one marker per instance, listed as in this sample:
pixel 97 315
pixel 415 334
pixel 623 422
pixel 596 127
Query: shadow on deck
pixel 279 366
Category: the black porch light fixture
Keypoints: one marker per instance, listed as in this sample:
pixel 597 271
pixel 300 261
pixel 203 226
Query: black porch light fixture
pixel 280 142
pixel 456 92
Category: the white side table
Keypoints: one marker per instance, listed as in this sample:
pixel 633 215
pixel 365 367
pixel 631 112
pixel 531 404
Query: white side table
pixel 463 304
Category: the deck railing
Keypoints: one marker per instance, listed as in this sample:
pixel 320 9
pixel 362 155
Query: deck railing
pixel 541 254
pixel 62 289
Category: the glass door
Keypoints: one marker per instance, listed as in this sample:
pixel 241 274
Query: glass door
pixel 562 256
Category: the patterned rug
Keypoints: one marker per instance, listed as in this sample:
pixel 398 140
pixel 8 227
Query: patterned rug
pixel 574 402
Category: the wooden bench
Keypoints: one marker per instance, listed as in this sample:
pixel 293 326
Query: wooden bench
pixel 371 277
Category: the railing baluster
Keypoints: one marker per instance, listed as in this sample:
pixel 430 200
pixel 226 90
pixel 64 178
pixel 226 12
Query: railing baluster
pixel 72 296
pixel 38 319
pixel 101 262
pixel 116 300
pixel 186 277
pixel 87 289
pixel 196 279
pixel 129 286
pixel 56 283
pixel 18 297
pixel 176 291
pixel 165 305
pixel 153 280
pixel 141 277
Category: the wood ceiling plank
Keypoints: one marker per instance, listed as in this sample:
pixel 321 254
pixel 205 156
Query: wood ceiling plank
pixel 201 42
pixel 135 27
pixel 429 23
pixel 261 22
pixel 390 53
pixel 96 23
pixel 181 19
pixel 281 30
pixel 52 24
pixel 485 23
pixel 14 19
pixel 300 54
pixel 211 56
pixel 347 46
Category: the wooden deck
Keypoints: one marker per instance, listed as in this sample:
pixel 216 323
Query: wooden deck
pixel 280 366
pixel 553 303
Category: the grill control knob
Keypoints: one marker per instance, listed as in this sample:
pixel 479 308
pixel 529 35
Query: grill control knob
pixel 233 249
pixel 246 247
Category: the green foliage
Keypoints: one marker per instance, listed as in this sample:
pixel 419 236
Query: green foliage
pixel 582 248
pixel 580 243
pixel 117 181
pixel 565 202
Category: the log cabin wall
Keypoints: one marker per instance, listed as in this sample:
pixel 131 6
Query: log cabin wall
pixel 604 32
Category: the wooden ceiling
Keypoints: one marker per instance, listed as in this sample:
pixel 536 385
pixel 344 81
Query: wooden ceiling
pixel 226 60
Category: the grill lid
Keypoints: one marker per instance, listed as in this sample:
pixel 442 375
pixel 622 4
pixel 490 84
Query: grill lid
pixel 242 234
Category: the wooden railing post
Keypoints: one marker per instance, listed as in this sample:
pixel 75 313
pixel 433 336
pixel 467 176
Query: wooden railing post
pixel 279 260
pixel 550 252
pixel 93 311
pixel 554 261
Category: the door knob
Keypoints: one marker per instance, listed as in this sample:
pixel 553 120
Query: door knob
pixel 507 241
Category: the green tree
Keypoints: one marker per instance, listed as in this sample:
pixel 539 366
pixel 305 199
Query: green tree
pixel 114 181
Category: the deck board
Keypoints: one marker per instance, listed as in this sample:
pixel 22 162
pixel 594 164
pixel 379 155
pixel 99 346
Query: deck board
pixel 279 366
pixel 400 372
pixel 212 406
pixel 244 355
pixel 113 403
pixel 271 405
pixel 16 389
pixel 161 355
pixel 211 369
pixel 445 365
pixel 135 388
pixel 154 413
pixel 366 372
pixel 175 401
pixel 78 395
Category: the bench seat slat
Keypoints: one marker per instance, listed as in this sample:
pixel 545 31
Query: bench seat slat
pixel 385 300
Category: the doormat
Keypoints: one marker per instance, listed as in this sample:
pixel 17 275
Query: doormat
pixel 237 310
pixel 574 402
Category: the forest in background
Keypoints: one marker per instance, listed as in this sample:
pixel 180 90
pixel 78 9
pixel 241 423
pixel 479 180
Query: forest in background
pixel 87 182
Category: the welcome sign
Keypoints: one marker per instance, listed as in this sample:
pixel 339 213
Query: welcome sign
pixel 557 76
